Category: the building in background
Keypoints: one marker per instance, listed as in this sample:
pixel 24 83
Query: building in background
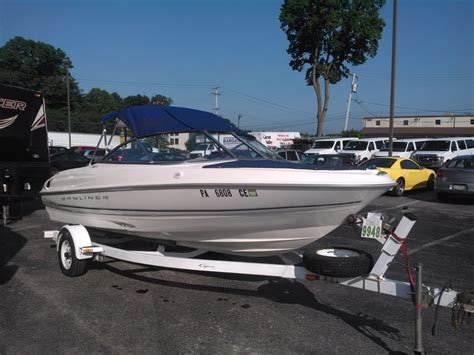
pixel 178 140
pixel 420 126
pixel 82 139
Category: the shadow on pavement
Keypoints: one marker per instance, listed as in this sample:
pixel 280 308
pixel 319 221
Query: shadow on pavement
pixel 276 290
pixel 21 205
pixel 10 244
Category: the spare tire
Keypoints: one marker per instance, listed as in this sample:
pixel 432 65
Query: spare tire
pixel 338 262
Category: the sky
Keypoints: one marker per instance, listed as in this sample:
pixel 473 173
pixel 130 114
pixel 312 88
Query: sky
pixel 184 48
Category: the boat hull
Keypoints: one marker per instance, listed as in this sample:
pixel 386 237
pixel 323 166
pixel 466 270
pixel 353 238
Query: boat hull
pixel 252 218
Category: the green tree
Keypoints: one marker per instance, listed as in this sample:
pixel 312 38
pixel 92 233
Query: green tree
pixel 352 133
pixel 134 100
pixel 161 100
pixel 191 143
pixel 38 66
pixel 328 35
pixel 101 101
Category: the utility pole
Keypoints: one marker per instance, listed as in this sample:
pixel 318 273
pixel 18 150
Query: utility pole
pixel 353 89
pixel 216 95
pixel 392 79
pixel 238 121
pixel 66 63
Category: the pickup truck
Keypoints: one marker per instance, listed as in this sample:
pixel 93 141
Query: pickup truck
pixel 435 152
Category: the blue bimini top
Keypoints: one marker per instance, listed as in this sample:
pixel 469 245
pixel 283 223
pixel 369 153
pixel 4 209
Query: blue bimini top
pixel 147 120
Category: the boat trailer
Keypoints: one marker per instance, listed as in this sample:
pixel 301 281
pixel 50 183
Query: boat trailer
pixel 75 248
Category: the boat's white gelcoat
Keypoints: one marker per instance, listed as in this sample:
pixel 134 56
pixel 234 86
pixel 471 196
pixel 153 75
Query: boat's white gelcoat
pixel 268 211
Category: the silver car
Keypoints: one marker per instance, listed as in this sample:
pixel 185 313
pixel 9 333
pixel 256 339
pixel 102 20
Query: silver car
pixel 456 177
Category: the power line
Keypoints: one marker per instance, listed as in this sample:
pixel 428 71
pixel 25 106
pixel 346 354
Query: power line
pixel 298 123
pixel 416 109
pixel 358 102
pixel 143 83
pixel 264 101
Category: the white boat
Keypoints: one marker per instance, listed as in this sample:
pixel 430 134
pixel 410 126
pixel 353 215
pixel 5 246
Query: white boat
pixel 237 200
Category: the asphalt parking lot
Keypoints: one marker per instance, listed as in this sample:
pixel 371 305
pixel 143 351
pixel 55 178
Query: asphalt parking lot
pixel 123 308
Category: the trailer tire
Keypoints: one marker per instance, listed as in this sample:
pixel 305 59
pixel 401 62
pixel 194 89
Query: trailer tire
pixel 337 262
pixel 68 263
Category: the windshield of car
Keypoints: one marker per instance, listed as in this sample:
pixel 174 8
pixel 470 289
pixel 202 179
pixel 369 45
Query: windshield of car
pixel 437 146
pixel 356 145
pixel 377 163
pixel 326 160
pixel 323 144
pixel 397 147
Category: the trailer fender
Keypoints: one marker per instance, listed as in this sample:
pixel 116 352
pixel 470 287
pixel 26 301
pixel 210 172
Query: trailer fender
pixel 80 237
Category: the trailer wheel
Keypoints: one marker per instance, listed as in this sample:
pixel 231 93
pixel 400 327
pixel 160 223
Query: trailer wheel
pixel 338 262
pixel 69 264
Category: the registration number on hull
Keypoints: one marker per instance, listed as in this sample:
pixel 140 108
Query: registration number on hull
pixel 225 192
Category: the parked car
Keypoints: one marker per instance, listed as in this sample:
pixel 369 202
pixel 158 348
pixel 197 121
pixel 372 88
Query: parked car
pixel 364 149
pixel 96 154
pixel 329 161
pixel 53 149
pixel 329 145
pixel 456 178
pixel 470 143
pixel 203 149
pixel 67 160
pixel 291 154
pixel 435 152
pixel 403 148
pixel 405 172
pixel 80 149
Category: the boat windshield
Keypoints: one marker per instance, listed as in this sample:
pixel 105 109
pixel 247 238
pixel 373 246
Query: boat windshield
pixel 187 147
pixel 436 146
pixel 356 145
pixel 323 144
pixel 397 147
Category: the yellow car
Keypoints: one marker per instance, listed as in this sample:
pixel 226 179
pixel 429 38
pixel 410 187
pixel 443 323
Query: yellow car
pixel 407 174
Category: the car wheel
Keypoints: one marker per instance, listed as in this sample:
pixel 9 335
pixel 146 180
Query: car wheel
pixel 337 262
pixel 400 188
pixel 431 182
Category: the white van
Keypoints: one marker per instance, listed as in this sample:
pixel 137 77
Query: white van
pixel 329 145
pixel 403 147
pixel 364 149
pixel 435 152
